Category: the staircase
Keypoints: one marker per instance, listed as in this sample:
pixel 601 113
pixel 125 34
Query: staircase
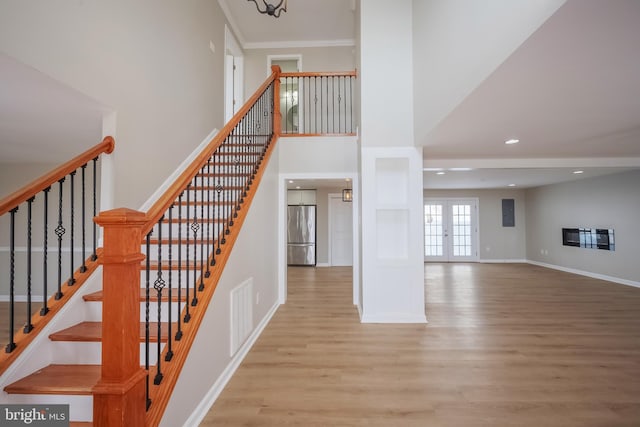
pixel 117 369
pixel 78 348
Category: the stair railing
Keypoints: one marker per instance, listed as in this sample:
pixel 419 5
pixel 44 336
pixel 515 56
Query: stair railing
pixel 186 237
pixel 48 246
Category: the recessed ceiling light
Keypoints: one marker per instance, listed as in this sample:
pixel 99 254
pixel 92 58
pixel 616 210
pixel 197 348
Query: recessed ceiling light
pixel 348 179
pixel 298 187
pixel 431 169
pixel 511 141
pixel 512 185
pixel 460 169
pixel 578 172
pixel 290 181
pixel 440 173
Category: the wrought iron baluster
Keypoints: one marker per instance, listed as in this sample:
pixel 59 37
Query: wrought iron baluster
pixel 203 261
pixel 211 260
pixel 179 331
pixel 59 232
pixel 45 268
pixel 83 268
pixel 339 104
pixel 195 227
pixel 28 327
pixel 94 255
pixel 187 315
pixel 72 279
pixel 218 197
pixel 351 103
pixel 147 301
pixel 169 354
pixel 159 285
pixel 12 280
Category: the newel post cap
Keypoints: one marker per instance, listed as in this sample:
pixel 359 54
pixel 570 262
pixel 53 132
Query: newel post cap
pixel 121 216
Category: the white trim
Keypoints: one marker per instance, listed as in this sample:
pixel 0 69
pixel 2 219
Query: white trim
pixel 587 274
pixel 300 44
pixel 209 399
pixel 176 173
pixel 394 318
pixel 21 298
pixel 290 56
pixel 534 163
pixel 503 261
pixel 323 265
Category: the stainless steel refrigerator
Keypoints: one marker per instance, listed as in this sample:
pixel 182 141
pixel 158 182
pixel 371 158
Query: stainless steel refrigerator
pixel 301 235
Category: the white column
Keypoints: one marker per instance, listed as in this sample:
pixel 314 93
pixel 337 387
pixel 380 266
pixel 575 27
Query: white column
pixel 390 167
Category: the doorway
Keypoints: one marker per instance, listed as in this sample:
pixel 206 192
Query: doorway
pixel 290 91
pixel 451 230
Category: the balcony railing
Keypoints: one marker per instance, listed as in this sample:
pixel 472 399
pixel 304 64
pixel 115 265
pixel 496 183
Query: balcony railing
pixel 317 103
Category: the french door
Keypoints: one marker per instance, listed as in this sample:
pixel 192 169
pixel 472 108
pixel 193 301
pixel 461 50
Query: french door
pixel 450 230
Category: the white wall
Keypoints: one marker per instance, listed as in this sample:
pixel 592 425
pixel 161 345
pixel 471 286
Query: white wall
pixel 386 77
pixel 255 256
pixel 319 155
pixel 338 58
pixel 496 243
pixel 148 60
pixel 611 201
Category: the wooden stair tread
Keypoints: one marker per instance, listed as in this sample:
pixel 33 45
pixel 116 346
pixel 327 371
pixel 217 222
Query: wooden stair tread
pixel 80 424
pixel 153 297
pixel 92 332
pixel 58 379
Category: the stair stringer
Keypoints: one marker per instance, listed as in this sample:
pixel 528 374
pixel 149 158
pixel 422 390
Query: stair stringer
pixel 209 364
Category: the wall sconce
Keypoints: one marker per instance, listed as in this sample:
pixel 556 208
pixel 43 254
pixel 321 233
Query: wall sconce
pixel 270 9
pixel 347 195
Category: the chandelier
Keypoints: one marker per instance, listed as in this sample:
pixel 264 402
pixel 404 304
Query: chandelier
pixel 270 9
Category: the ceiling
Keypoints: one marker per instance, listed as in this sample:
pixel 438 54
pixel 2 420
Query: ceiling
pixel 332 23
pixel 570 93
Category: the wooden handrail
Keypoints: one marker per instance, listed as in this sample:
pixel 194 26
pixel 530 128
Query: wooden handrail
pixel 169 197
pixel 353 73
pixel 25 193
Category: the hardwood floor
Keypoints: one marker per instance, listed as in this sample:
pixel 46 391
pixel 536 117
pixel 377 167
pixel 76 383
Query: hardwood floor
pixel 506 345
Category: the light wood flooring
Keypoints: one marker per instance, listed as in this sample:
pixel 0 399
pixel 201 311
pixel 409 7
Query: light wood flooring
pixel 506 345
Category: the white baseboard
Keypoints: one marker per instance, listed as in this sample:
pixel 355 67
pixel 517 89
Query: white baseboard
pixel 176 173
pixel 503 261
pixel 323 264
pixel 587 274
pixel 393 318
pixel 209 399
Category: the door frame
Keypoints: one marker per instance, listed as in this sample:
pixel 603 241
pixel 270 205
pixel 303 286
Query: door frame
pixel 234 82
pixel 330 227
pixel 476 222
pixel 290 57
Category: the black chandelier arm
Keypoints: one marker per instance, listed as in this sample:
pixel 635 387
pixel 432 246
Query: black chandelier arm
pixel 271 10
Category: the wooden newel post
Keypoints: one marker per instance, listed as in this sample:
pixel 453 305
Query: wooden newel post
pixel 119 397
pixel 277 118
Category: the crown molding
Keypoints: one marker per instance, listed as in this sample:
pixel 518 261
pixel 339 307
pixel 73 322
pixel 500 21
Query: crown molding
pixel 300 43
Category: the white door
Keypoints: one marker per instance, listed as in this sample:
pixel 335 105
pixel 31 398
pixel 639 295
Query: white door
pixel 450 230
pixel 340 231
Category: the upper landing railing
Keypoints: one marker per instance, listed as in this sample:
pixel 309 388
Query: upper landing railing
pixel 314 104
